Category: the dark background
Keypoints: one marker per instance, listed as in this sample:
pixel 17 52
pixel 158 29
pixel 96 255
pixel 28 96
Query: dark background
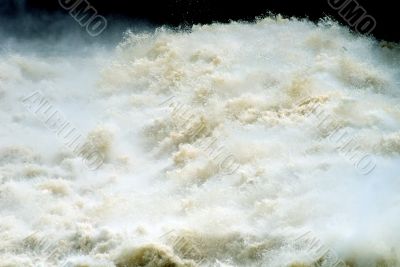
pixel 182 13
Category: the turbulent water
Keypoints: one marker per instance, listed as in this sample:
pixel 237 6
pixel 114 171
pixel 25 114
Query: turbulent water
pixel 275 143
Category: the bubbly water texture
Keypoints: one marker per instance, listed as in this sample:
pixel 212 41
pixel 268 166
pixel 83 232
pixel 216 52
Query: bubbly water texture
pixel 222 145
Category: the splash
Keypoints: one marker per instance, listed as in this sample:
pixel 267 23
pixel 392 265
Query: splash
pixel 163 195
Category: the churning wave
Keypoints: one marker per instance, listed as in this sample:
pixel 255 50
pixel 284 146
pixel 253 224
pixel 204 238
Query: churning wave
pixel 274 143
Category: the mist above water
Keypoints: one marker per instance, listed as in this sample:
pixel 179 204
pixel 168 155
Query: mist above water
pixel 226 136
